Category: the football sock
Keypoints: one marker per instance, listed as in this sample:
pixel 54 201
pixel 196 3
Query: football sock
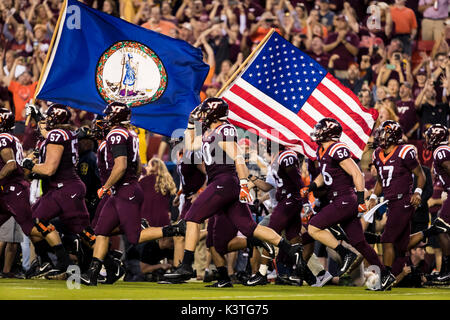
pixel 188 258
pixel 263 269
pixel 41 248
pixel 61 254
pixel 108 262
pixel 341 250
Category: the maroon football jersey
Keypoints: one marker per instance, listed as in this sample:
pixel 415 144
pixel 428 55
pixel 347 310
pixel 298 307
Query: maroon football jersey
pixel 395 170
pixel 122 136
pixel 441 155
pixel 216 160
pixel 337 181
pixel 9 141
pixel 286 171
pixel 67 165
pixel 191 178
pixel 104 161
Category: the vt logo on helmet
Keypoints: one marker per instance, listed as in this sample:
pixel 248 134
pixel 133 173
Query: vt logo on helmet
pixel 117 113
pixel 212 110
pixel 327 129
pixel 435 136
pixel 57 114
pixel 390 133
pixel 6 120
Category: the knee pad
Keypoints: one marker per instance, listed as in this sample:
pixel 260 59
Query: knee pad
pixel 88 235
pixel 43 227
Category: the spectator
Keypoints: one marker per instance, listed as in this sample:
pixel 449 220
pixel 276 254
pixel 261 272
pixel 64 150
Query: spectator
pixel 354 80
pixel 326 16
pixel 406 111
pixel 156 24
pixel 316 51
pixel 419 84
pixel 429 110
pixel 366 99
pixel 405 24
pixel 344 43
pixel 259 30
pixel 109 7
pixel 413 273
pixel 22 89
pixel 434 14
pixel 158 187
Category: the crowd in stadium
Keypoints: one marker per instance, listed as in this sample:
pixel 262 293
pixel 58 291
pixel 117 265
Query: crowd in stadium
pixel 393 55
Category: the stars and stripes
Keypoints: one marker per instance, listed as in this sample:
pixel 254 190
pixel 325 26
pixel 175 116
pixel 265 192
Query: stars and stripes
pixel 283 93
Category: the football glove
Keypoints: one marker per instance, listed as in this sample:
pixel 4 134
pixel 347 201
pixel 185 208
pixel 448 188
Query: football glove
pixel 103 191
pixel 28 164
pixel 33 111
pixel 244 195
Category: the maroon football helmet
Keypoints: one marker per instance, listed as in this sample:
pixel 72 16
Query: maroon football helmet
pixel 117 113
pixel 57 114
pixel 327 129
pixel 390 134
pixel 6 120
pixel 213 109
pixel 435 136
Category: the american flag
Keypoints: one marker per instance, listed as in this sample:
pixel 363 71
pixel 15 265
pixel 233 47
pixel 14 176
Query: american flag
pixel 282 93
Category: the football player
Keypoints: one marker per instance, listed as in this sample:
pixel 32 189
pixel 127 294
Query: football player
pixel 121 212
pixel 436 139
pixel 396 163
pixel 285 216
pixel 227 187
pixel 340 175
pixel 64 197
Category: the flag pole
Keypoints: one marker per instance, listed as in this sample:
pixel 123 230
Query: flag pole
pixel 244 64
pixel 47 57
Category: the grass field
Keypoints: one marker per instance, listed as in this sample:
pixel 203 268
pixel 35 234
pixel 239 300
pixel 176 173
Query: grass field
pixel 13 289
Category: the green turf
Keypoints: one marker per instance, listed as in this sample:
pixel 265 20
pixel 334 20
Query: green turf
pixel 43 289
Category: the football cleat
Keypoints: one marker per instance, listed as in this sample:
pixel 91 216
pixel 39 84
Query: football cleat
pixel 182 272
pixel 220 284
pixel 443 277
pixel 323 279
pixel 101 279
pixel 296 252
pixel 257 280
pixel 56 274
pixel 387 280
pixel 90 277
pixel 115 274
pixel 144 224
pixel 441 225
pixel 338 232
pixel 37 270
pixel 270 249
pixel 347 261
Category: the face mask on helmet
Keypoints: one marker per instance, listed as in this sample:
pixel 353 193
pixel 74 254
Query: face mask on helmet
pixel 117 113
pixel 327 129
pixel 435 136
pixel 212 110
pixel 57 114
pixel 390 133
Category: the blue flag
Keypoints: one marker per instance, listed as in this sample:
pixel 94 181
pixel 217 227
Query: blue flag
pixel 97 58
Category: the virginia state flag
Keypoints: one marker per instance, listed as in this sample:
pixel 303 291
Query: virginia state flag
pixel 97 58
